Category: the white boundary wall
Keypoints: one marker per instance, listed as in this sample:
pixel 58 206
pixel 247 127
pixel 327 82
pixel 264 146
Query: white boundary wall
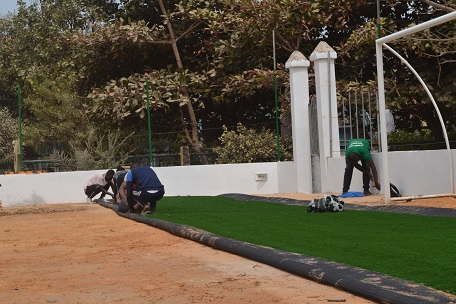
pixel 68 187
pixel 413 172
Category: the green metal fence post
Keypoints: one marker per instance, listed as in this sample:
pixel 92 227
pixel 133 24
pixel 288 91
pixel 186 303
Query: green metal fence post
pixel 148 123
pixel 276 99
pixel 19 111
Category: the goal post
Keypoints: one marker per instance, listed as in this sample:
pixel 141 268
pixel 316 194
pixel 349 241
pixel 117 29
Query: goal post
pixel 379 44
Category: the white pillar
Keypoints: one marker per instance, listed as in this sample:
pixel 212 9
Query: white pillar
pixel 299 92
pixel 328 125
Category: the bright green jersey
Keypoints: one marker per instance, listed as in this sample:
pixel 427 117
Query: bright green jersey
pixel 360 147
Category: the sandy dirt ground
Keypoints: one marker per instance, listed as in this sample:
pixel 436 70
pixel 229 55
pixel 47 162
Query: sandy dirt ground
pixel 85 253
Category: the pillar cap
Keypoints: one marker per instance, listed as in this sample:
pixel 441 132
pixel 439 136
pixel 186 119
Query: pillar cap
pixel 321 52
pixel 297 59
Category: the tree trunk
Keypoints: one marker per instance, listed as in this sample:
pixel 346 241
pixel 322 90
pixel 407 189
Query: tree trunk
pixel 192 137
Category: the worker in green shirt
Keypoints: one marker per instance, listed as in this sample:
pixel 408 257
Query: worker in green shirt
pixel 359 150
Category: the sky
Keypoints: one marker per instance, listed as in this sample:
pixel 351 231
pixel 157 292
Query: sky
pixel 9 6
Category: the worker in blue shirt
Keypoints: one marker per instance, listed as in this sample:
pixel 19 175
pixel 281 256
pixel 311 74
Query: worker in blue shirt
pixel 140 190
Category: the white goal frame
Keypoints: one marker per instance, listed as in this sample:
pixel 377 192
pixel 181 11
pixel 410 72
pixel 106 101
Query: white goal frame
pixel 379 44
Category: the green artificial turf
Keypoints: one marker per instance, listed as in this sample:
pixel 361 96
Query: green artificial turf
pixel 415 248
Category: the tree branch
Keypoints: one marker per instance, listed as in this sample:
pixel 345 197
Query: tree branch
pixel 438 6
pixel 189 30
pixel 184 126
pixel 287 46
pixel 193 137
pixel 161 42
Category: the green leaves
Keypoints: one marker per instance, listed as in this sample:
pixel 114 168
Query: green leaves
pixel 8 133
pixel 249 146
pixel 121 98
pixel 208 61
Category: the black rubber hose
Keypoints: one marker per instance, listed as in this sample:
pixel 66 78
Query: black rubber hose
pixel 361 282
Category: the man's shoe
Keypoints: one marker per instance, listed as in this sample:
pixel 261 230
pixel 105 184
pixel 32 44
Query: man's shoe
pixel 367 193
pixel 146 209
pixel 89 200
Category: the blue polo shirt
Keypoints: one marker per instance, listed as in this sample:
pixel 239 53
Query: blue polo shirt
pixel 144 179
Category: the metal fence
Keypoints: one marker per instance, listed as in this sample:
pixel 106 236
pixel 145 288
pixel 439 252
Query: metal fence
pixel 174 159
pixel 358 117
pixel 158 160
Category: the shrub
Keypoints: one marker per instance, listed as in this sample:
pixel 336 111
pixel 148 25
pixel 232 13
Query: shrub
pixel 401 140
pixel 249 146
pixel 98 151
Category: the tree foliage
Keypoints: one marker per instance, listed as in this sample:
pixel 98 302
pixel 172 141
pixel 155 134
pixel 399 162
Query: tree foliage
pixel 163 33
pixel 249 146
pixel 54 111
pixel 8 133
pixel 208 63
pixel 430 52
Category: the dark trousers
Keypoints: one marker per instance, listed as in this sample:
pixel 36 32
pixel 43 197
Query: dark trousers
pixel 93 190
pixel 143 198
pixel 123 207
pixel 349 173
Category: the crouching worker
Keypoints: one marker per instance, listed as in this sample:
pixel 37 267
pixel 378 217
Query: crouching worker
pixel 140 190
pixel 118 179
pixel 99 183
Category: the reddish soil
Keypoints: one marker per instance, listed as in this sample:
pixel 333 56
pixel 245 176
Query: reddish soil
pixel 85 253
